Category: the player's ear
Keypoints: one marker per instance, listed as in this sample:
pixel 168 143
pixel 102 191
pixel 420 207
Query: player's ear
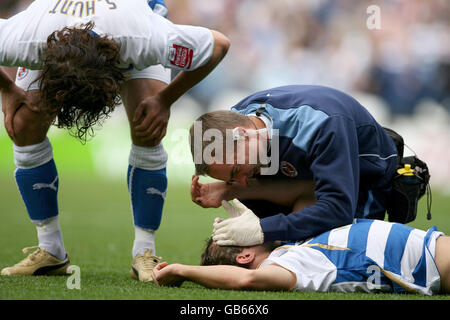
pixel 245 257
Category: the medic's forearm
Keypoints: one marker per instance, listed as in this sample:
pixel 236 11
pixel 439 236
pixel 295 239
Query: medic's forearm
pixel 327 213
pixel 284 192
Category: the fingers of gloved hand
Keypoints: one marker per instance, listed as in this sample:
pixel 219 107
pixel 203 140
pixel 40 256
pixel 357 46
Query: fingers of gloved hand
pixel 222 224
pixel 224 243
pixel 218 220
pixel 223 237
pixel 239 206
pixel 230 209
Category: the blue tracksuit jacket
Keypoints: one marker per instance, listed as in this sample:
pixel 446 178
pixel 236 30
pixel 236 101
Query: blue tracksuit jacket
pixel 327 136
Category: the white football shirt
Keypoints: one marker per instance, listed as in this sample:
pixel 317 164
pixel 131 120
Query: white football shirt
pixel 369 255
pixel 145 38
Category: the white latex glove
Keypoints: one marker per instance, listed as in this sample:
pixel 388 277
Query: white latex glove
pixel 231 210
pixel 242 229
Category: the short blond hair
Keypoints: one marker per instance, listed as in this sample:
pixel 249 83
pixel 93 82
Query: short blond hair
pixel 220 120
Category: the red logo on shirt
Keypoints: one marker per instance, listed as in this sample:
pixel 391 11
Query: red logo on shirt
pixel 288 169
pixel 21 73
pixel 180 56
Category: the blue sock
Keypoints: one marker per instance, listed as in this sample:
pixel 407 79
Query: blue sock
pixel 39 188
pixel 148 192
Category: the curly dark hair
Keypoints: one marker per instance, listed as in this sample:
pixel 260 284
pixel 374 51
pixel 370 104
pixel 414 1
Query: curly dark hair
pixel 80 80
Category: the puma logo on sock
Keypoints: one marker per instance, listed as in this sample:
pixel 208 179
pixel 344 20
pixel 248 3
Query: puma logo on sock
pixel 52 185
pixel 156 191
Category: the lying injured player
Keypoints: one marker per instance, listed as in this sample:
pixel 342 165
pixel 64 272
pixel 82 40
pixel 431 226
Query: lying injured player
pixel 368 256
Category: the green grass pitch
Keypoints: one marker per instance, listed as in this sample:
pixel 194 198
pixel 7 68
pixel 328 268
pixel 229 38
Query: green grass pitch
pixel 97 227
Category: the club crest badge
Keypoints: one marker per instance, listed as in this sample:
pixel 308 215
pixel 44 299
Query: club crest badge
pixel 288 169
pixel 22 73
pixel 181 56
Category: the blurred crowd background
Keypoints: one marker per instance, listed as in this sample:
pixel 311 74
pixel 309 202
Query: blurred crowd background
pixel 399 71
pixel 324 42
pixel 328 42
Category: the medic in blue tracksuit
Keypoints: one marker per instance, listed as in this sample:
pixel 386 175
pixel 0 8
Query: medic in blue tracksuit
pixel 328 137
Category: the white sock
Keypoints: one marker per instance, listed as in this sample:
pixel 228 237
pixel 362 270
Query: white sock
pixel 144 239
pixel 50 237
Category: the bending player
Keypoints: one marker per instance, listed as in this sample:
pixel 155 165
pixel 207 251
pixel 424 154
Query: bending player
pixel 368 255
pixel 75 60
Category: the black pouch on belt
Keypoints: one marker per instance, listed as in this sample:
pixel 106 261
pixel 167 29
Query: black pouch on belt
pixel 409 184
